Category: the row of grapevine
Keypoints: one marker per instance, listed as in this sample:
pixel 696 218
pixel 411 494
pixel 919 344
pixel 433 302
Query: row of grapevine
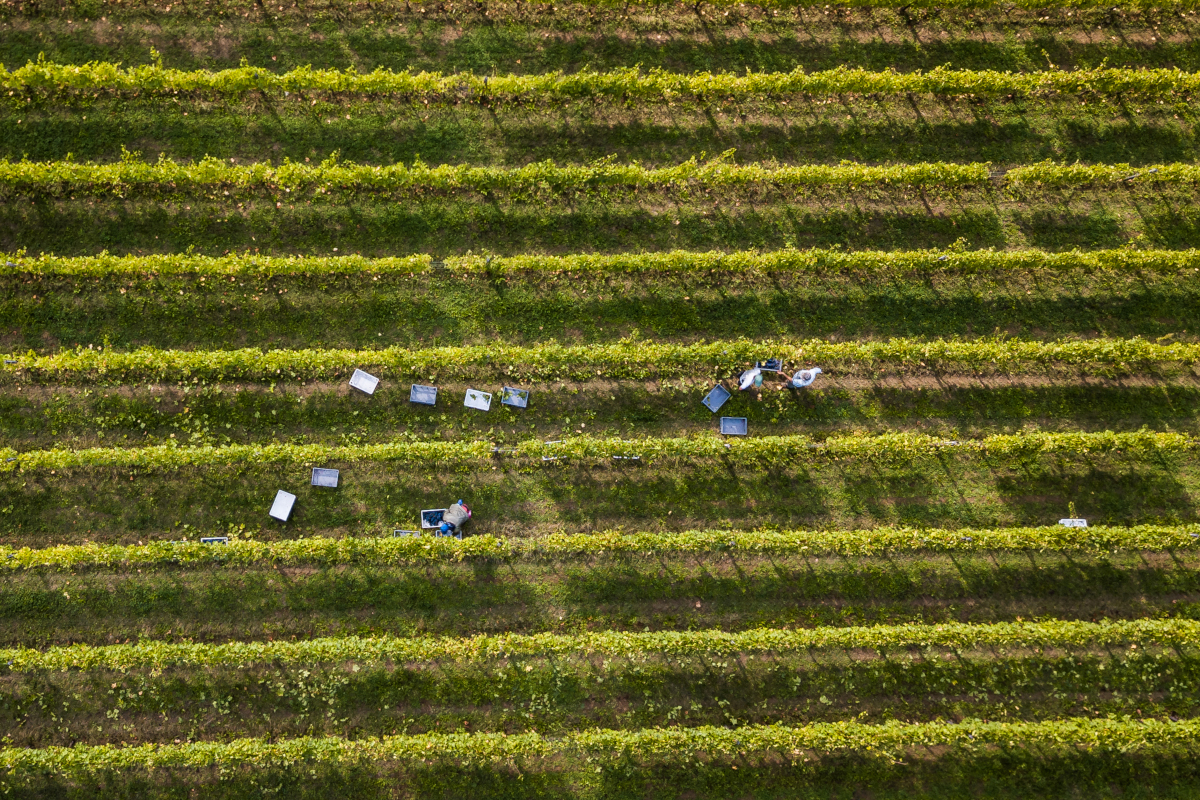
pixel 626 359
pixel 389 550
pixel 754 452
pixel 896 262
pixel 546 180
pixel 899 447
pixel 679 745
pixel 1056 634
pixel 392 9
pixel 628 85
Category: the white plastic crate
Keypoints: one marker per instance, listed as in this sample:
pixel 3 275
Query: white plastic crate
pixel 281 509
pixel 325 477
pixel 364 381
pixel 478 400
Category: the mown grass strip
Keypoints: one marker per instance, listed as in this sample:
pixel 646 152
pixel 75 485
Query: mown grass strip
pixel 158 654
pixel 1113 738
pixel 552 694
pixel 903 263
pixel 625 86
pixel 546 180
pixel 757 452
pixel 627 359
pixel 382 551
pixel 737 590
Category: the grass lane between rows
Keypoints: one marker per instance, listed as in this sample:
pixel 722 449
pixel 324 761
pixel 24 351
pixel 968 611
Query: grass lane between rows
pixel 215 601
pixel 124 504
pixel 343 685
pixel 380 309
pixel 331 414
pixel 818 132
pixel 103 707
pixel 454 227
pixel 518 38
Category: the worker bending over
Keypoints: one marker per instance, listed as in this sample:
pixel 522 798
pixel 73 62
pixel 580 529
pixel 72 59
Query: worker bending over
pixel 453 519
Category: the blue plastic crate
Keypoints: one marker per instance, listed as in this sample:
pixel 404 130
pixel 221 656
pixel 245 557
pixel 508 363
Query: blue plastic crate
pixel 716 398
pixel 425 395
pixel 734 426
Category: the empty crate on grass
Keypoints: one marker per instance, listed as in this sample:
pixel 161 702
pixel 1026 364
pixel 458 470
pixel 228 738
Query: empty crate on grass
pixel 281 509
pixel 325 477
pixel 734 426
pixel 716 398
pixel 425 395
pixel 364 381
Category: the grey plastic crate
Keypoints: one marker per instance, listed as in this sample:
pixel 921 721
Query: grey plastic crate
pixel 425 395
pixel 281 509
pixel 364 381
pixel 518 398
pixel 325 477
pixel 215 540
pixel 716 398
pixel 734 426
pixel 1073 523
pixel 402 532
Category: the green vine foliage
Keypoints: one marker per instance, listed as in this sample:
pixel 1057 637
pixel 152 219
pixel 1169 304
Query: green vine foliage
pixel 630 86
pixel 629 358
pixel 758 452
pixel 888 263
pixel 388 550
pixel 1109 737
pixel 546 181
pixel 617 644
pixel 339 10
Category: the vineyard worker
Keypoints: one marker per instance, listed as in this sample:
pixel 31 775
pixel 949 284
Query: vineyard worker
pixel 751 377
pixel 455 517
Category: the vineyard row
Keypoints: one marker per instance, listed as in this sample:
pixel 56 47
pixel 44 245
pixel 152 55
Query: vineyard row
pixel 339 10
pixel 1111 737
pixel 629 85
pixel 626 359
pixel 1054 634
pixel 913 262
pixel 753 452
pixel 405 549
pixel 544 180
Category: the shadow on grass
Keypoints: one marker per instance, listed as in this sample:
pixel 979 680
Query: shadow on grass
pixel 881 582
pixel 1101 494
pixel 371 596
pixel 519 47
pixel 1069 230
pixel 403 228
pixel 591 495
pixel 355 311
pixel 389 134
